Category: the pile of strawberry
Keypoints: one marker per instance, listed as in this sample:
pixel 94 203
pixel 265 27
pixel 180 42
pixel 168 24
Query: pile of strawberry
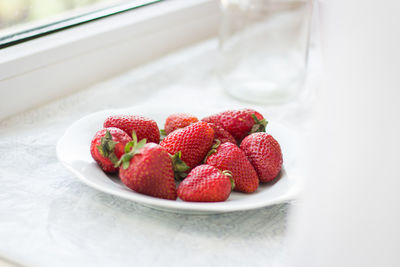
pixel 210 158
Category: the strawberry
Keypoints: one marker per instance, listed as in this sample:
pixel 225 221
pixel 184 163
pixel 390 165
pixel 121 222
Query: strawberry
pixel 206 183
pixel 264 153
pixel 228 156
pixel 142 126
pixel 147 169
pixel 193 141
pixel 177 121
pixel 221 134
pixel 239 123
pixel 107 147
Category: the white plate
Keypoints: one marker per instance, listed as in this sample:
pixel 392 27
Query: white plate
pixel 73 151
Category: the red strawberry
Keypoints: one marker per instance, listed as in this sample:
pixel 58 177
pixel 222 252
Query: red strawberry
pixel 147 169
pixel 221 134
pixel 206 183
pixel 142 126
pixel 239 123
pixel 264 153
pixel 193 141
pixel 229 157
pixel 107 147
pixel 177 121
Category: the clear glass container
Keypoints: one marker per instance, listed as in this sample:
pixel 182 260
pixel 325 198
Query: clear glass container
pixel 264 47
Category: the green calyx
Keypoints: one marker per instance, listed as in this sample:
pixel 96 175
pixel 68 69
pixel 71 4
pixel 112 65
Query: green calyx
pixel 180 167
pixel 131 149
pixel 259 125
pixel 107 146
pixel 163 134
pixel 230 175
pixel 213 149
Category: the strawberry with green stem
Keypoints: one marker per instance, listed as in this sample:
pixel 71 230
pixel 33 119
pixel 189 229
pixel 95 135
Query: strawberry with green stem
pixel 107 147
pixel 193 142
pixel 206 183
pixel 239 123
pixel 147 169
pixel 228 156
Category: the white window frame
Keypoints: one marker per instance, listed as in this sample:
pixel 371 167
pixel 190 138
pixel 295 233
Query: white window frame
pixel 58 64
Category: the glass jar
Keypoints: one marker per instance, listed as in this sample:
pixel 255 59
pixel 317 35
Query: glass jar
pixel 263 47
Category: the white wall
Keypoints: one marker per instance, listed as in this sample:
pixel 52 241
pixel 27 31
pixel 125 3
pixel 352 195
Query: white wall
pixel 350 212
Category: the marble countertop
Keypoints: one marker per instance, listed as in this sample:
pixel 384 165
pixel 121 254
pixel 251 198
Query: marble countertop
pixel 49 218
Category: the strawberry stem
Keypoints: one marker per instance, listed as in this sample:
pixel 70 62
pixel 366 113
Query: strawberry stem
pixel 213 149
pixel 131 149
pixel 259 125
pixel 107 146
pixel 230 175
pixel 180 167
pixel 163 134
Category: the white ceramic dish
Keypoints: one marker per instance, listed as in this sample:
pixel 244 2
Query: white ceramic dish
pixel 73 151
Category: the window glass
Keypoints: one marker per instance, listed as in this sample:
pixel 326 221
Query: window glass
pixel 23 19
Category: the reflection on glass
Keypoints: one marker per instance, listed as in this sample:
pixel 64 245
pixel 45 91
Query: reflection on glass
pixel 17 12
pixel 23 20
